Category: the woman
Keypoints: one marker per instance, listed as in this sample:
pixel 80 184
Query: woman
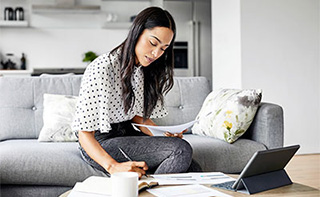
pixel 125 86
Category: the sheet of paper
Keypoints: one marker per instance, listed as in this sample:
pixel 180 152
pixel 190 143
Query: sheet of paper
pixel 159 130
pixel 186 191
pixel 192 178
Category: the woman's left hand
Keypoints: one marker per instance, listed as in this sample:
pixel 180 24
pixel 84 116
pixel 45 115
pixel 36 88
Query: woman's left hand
pixel 179 135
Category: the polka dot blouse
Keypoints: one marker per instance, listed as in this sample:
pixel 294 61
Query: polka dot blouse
pixel 100 98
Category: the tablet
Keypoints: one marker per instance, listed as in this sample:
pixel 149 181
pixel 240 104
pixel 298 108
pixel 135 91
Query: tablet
pixel 262 162
pixel 267 161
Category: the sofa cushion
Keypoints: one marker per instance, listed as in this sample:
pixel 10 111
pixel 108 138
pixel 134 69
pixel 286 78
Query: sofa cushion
pixel 58 115
pixel 226 114
pixel 215 155
pixel 29 162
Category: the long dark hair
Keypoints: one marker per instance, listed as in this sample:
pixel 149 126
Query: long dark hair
pixel 158 76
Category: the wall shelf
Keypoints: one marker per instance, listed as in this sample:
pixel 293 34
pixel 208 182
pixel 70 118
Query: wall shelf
pixel 13 23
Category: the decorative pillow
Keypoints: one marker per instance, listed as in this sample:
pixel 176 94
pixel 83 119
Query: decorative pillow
pixel 227 114
pixel 58 113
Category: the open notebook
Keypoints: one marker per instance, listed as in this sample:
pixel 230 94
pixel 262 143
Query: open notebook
pixel 96 186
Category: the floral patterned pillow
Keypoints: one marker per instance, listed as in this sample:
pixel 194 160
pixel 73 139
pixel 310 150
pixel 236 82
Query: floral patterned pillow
pixel 58 113
pixel 226 114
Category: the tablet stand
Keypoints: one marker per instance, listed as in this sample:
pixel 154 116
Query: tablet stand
pixel 263 182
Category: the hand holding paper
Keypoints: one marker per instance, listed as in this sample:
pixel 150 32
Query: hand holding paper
pixel 178 135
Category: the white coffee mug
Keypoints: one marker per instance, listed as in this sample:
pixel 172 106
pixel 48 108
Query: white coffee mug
pixel 125 184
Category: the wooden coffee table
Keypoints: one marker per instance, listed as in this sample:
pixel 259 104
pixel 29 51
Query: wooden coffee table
pixel 293 190
pixel 304 171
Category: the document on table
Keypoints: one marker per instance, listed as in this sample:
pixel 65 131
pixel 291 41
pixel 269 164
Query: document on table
pixel 186 191
pixel 159 130
pixel 192 178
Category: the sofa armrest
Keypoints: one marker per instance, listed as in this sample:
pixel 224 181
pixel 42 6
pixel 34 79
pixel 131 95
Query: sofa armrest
pixel 267 126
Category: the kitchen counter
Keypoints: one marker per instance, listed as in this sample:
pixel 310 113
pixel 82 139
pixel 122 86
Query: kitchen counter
pixel 16 73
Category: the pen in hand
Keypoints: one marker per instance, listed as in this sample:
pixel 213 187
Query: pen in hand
pixel 124 154
pixel 127 157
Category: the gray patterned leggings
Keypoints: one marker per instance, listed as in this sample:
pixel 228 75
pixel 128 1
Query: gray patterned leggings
pixel 162 154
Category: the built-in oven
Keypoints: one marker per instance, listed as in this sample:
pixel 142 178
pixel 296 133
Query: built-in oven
pixel 180 50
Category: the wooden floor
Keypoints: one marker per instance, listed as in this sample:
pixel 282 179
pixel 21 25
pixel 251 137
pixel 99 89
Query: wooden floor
pixel 305 169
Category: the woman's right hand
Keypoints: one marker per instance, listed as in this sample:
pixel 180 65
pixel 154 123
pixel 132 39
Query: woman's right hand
pixel 130 166
pixel 98 154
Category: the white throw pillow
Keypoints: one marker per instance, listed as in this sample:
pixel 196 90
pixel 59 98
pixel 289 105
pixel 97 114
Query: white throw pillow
pixel 58 114
pixel 226 114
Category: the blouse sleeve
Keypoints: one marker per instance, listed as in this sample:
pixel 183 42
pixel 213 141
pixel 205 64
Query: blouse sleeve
pixel 92 110
pixel 159 111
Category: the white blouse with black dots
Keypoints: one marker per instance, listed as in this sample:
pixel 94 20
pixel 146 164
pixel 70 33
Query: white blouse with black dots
pixel 100 97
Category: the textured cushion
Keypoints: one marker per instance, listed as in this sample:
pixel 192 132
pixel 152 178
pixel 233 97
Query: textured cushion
pixel 41 163
pixel 21 103
pixel 184 100
pixel 227 113
pixel 215 155
pixel 58 114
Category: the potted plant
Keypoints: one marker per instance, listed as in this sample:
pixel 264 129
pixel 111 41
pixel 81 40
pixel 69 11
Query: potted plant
pixel 89 56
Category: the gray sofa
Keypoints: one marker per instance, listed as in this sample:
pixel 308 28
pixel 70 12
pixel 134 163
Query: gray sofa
pixel 32 168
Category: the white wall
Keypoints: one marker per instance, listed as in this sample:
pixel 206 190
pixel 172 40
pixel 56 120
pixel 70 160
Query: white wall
pixel 58 48
pixel 226 43
pixel 280 54
pixel 284 46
